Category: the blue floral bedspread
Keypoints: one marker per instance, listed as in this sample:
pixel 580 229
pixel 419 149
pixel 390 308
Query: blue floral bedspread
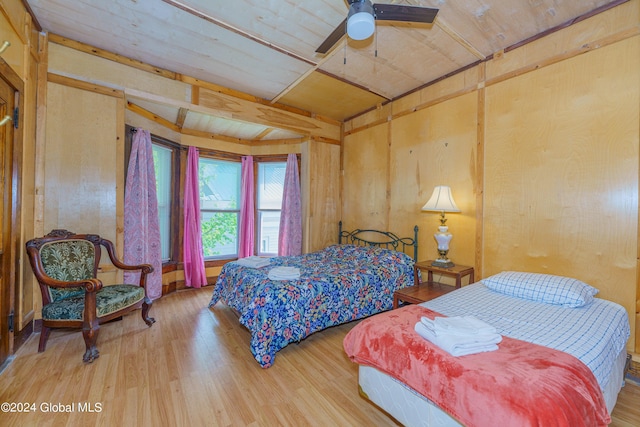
pixel 338 284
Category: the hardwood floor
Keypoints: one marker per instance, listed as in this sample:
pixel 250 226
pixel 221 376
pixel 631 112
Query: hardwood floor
pixel 192 368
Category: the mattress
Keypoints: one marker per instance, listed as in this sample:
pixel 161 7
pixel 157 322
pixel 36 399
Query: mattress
pixel 596 334
pixel 410 408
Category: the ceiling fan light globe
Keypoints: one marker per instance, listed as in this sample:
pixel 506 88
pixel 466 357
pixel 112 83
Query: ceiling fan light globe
pixel 361 21
pixel 360 26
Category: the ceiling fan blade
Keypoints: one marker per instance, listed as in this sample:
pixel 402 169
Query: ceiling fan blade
pixel 333 38
pixel 396 12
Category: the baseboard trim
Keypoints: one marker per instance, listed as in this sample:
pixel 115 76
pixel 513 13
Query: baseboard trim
pixel 179 285
pixel 20 337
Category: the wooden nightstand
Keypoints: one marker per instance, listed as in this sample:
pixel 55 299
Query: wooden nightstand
pixel 425 291
pixel 457 271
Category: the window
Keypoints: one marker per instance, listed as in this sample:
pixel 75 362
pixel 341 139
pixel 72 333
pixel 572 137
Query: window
pixel 270 188
pixel 162 165
pixel 219 206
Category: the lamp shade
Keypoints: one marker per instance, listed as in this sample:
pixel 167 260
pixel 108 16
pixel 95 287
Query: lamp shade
pixel 441 200
pixel 361 22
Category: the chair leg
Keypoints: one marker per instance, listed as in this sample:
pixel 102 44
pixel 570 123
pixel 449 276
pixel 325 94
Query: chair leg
pixel 146 306
pixel 44 336
pixel 90 334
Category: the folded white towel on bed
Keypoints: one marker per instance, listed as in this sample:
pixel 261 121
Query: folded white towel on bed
pixel 460 345
pixel 284 273
pixel 254 261
pixel 458 325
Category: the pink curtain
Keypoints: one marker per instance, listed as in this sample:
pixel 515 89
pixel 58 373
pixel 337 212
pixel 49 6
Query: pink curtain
pixel 290 238
pixel 246 232
pixel 141 223
pixel 193 256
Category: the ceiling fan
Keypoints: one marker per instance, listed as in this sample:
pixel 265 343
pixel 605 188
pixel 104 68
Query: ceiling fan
pixel 360 22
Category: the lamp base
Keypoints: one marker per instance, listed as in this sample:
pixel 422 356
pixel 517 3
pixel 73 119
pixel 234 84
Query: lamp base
pixel 443 263
pixel 443 237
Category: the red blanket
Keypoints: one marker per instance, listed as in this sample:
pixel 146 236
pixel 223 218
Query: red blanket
pixel 521 384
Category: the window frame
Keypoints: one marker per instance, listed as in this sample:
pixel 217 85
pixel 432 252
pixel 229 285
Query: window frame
pixel 175 232
pixel 207 156
pixel 169 205
pixel 275 158
pixel 258 211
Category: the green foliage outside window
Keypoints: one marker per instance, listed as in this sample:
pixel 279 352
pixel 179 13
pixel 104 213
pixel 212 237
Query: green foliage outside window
pixel 218 230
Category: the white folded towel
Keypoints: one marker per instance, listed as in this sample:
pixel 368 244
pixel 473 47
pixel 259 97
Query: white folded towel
pixel 254 261
pixel 284 273
pixel 458 325
pixel 460 345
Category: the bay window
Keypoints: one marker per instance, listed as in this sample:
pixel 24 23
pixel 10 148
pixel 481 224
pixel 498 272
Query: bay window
pixel 219 176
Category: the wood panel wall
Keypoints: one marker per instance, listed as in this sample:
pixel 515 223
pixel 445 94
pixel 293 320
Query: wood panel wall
pixel 84 165
pixel 540 146
pixel 321 194
pixel 435 146
pixel 561 171
pixel 365 185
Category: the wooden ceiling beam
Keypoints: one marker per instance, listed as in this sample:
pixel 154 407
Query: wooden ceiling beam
pixel 101 53
pixel 208 135
pixel 81 84
pixel 182 116
pixel 153 117
pixel 267 115
pixel 262 134
pixel 197 83
pixel 442 24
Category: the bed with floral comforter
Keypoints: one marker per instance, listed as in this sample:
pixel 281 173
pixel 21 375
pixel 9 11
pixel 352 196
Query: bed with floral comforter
pixel 338 284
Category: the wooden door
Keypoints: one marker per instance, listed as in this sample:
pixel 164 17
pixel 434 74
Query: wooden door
pixel 6 264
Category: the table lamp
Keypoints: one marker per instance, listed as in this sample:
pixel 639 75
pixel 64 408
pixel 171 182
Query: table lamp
pixel 442 201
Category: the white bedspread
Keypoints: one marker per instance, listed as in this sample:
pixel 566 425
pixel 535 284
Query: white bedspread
pixel 576 331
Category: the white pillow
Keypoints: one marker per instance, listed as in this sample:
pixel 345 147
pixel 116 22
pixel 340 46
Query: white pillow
pixel 546 288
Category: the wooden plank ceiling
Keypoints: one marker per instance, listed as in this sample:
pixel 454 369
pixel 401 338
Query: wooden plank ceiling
pixel 266 49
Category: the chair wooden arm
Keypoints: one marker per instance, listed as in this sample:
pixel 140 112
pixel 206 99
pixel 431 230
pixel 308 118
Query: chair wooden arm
pixel 89 285
pixel 145 268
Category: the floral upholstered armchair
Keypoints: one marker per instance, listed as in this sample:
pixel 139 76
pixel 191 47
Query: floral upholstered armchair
pixel 66 265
